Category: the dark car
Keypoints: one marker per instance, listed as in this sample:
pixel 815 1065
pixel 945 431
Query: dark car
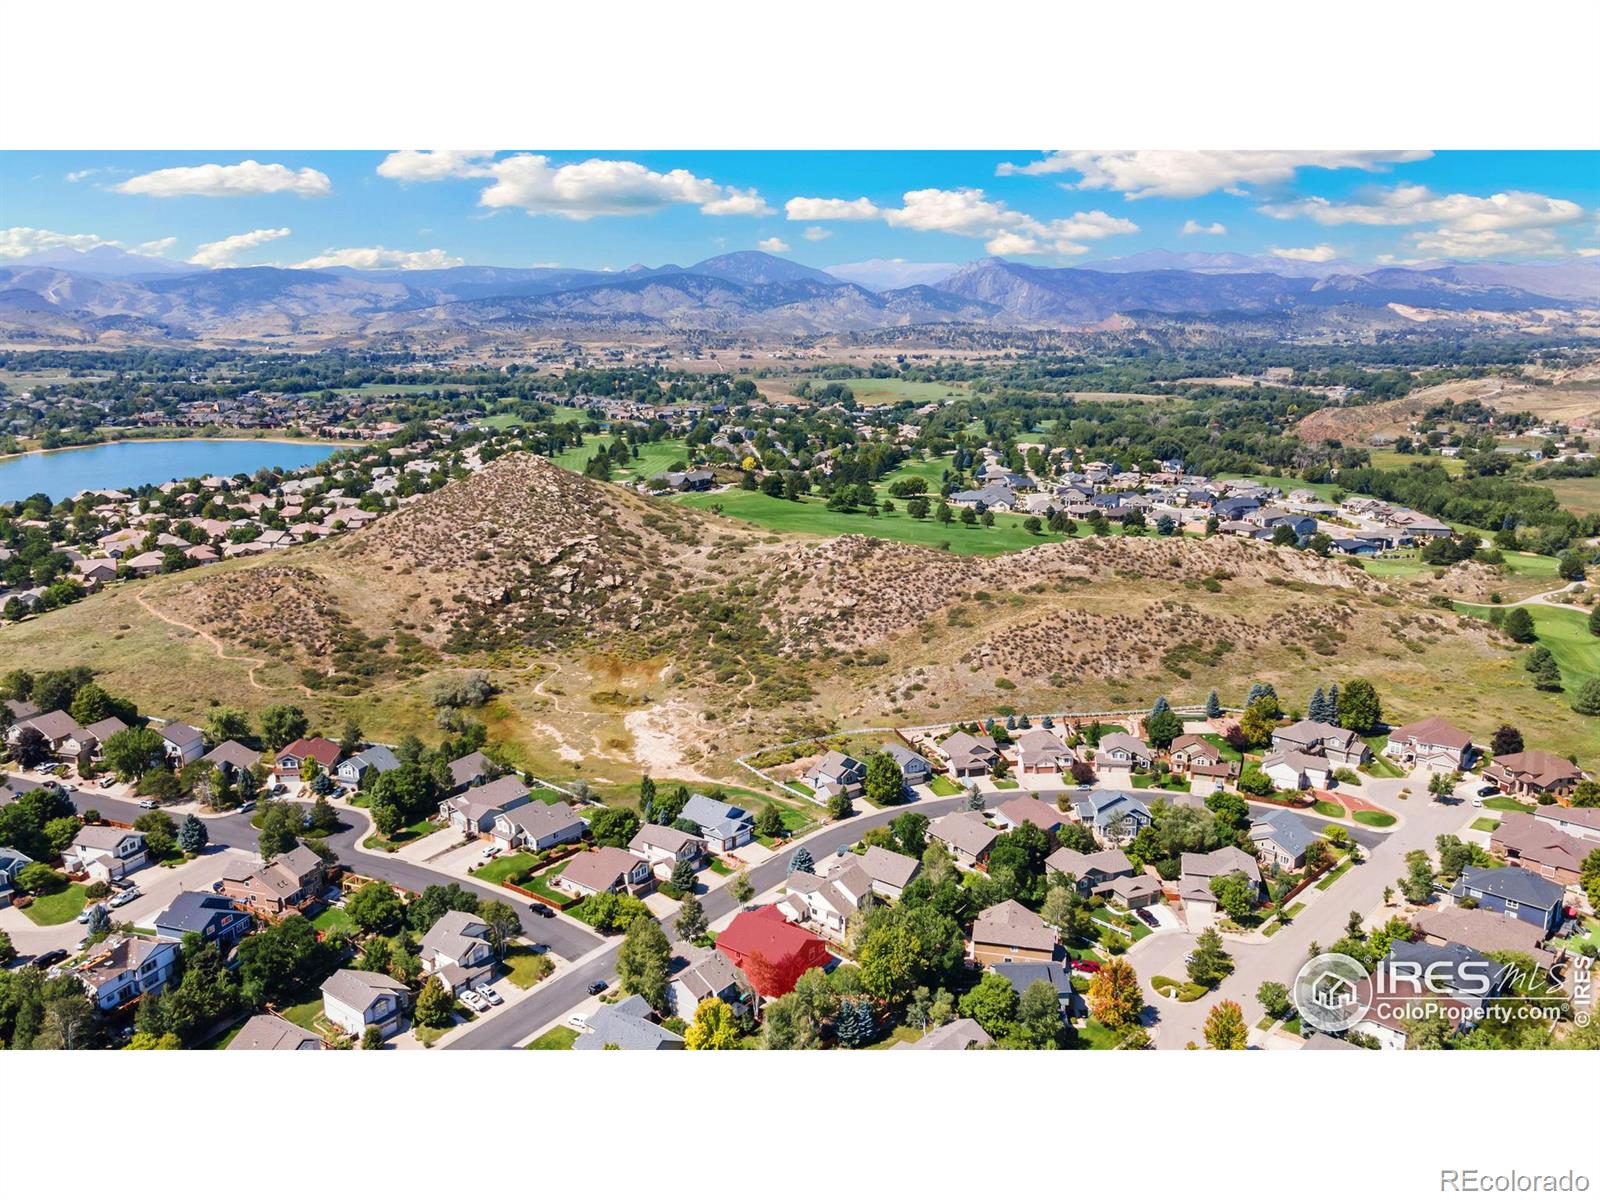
pixel 543 910
pixel 1145 915
pixel 598 986
pixel 50 958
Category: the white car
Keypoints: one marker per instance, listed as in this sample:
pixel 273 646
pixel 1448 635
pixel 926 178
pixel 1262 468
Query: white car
pixel 579 1021
pixel 147 803
pixel 474 1001
pixel 127 897
pixel 489 994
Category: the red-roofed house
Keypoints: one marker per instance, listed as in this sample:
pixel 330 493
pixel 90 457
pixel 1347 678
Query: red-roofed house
pixel 772 953
pixel 289 759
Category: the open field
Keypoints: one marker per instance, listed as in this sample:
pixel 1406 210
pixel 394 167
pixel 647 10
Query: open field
pixel 1389 460
pixel 654 457
pixel 893 391
pixel 1581 496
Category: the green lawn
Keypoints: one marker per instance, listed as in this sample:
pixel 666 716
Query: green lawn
pixel 332 919
pixel 1229 754
pixel 1379 767
pixel 811 515
pixel 943 785
pixel 1332 877
pixel 1328 809
pixel 498 870
pixel 559 1038
pixel 524 968
pixel 654 457
pixel 1565 631
pixel 58 907
pixel 892 391
pixel 1507 804
pixel 307 1013
pixel 1095 1036
pixel 1187 991
pixel 1589 933
pixel 410 833
pixel 1486 825
pixel 1582 496
pixel 1376 820
pixel 891 1038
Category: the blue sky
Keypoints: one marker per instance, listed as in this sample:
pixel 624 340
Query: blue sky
pixel 609 209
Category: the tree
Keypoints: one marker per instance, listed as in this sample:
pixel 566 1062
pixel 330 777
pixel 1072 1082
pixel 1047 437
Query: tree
pixel 839 807
pixel 1541 664
pixel 1213 705
pixel 1273 997
pixel 855 1025
pixel 1038 1023
pixel 1253 781
pixel 282 960
pixel 1587 701
pixel 375 908
pixel 322 816
pixel 372 1038
pixel 1209 963
pixel 885 784
pixel 801 860
pixel 682 878
pixel 1589 878
pixel 280 823
pixel 435 1006
pixel 1416 885
pixel 691 921
pixel 992 1004
pixel 129 752
pixel 1518 626
pixel 1163 725
pixel 644 962
pixel 742 888
pixel 1506 740
pixel 715 1026
pixel 1258 720
pixel 282 724
pixel 1359 706
pixel 1594 621
pixel 32 748
pixel 192 835
pixel 1115 997
pixel 91 705
pixel 769 822
pixel 1236 894
pixel 614 827
pixel 227 724
pixel 1225 1028
pixel 501 924
pixel 910 833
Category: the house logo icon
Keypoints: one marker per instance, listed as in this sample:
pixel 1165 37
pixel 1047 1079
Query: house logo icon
pixel 1331 992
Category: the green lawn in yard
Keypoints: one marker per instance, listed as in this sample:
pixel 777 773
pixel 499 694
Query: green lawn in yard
pixel 1295 909
pixel 896 1036
pixel 305 1014
pixel 559 1038
pixel 498 870
pixel 811 515
pixel 1376 820
pixel 524 968
pixel 409 833
pixel 1095 1036
pixel 943 785
pixel 330 920
pixel 1379 767
pixel 1507 804
pixel 1589 933
pixel 542 885
pixel 1486 825
pixel 1129 926
pixel 1229 754
pixel 58 907
pixel 1328 809
pixel 718 867
pixel 1332 877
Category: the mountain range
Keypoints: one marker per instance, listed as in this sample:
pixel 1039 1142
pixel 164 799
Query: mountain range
pixel 66 296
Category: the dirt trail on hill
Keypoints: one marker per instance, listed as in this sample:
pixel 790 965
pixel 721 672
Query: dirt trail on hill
pixel 216 645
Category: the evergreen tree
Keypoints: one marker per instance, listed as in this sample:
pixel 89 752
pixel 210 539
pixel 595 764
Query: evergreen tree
pixel 801 860
pixel 192 835
pixel 1213 705
pixel 1317 710
pixel 855 1026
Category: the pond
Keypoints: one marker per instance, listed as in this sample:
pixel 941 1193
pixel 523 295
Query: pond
pixel 127 465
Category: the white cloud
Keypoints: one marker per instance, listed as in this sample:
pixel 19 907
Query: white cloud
pixel 222 253
pixel 1588 251
pixel 1320 253
pixel 379 258
pixel 430 166
pixel 248 178
pixel 603 187
pixel 1484 243
pixel 1185 174
pixel 21 239
pixel 967 212
pixel 773 245
pixel 816 233
pixel 157 247
pixel 812 208
pixel 1193 228
pixel 80 176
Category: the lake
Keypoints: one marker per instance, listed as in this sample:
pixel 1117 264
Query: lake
pixel 127 465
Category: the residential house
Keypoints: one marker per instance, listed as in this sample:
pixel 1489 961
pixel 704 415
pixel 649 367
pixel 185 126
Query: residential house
pixel 1341 747
pixel 233 757
pixel 1524 841
pixel 1042 752
pixel 476 810
pixel 664 847
pixel 771 952
pixel 915 770
pixel 836 774
pixel 1485 931
pixel 289 762
pixel 353 1000
pixel 1533 773
pixel 1090 870
pixel 538 826
pixel 122 969
pixel 287 882
pixel 181 744
pixel 626 1025
pixel 68 741
pixel 605 869
pixel 1578 822
pixel 1513 892
pixel 1206 779
pixel 1192 750
pixel 11 862
pixel 723 826
pixel 456 948
pixel 966 756
pixel 470 770
pixel 366 765
pixel 104 853
pixel 1007 932
pixel 1200 906
pixel 1449 980
pixel 1294 770
pixel 709 975
pixel 1433 743
pixel 1013 813
pixel 1125 751
pixel 100 731
pixel 966 835
pixel 961 1034
pixel 823 903
pixel 1021 975
pixel 1115 816
pixel 269 1031
pixel 1282 839
pixel 889 871
pixel 214 918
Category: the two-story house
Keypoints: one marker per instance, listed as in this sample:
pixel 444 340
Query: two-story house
pixel 456 948
pixel 353 1000
pixel 538 826
pixel 105 853
pixel 122 969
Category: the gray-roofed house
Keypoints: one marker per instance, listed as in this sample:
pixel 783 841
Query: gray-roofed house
pixel 456 948
pixel 961 1034
pixel 1341 747
pixel 268 1031
pixel 709 974
pixel 211 916
pixel 914 768
pixel 353 1000
pixel 604 869
pixel 285 882
pixel 966 835
pixel 1115 816
pixel 1513 892
pixel 105 853
pixel 664 847
pixel 1123 750
pixel 233 757
pixel 724 826
pixel 1294 770
pixel 889 870
pixel 1058 975
pixel 11 861
pixel 1282 838
pixel 365 765
pixel 627 1026
pixel 474 811
pixel 1090 870
pixel 539 826
pixel 470 770
pixel 1042 752
pixel 968 756
pixel 182 744
pixel 1007 932
pixel 836 774
pixel 825 903
pixel 1200 905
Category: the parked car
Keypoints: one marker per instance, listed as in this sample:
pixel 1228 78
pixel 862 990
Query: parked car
pixel 50 958
pixel 474 1001
pixel 491 852
pixel 1477 802
pixel 127 897
pixel 598 986
pixel 107 781
pixel 579 1021
pixel 248 806
pixel 1488 789
pixel 489 994
pixel 543 910
pixel 147 803
pixel 1088 966
pixel 1145 915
